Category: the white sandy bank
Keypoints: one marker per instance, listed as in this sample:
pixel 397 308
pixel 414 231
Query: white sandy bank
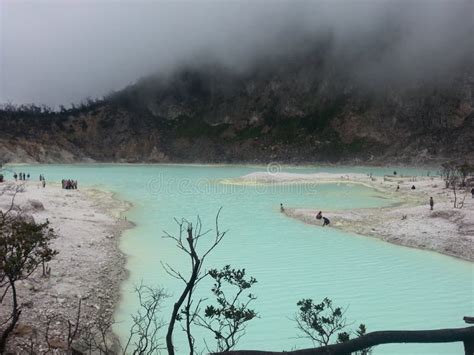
pixel 89 265
pixel 291 178
pixel 411 223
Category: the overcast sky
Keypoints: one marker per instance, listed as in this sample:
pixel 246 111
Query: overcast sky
pixel 58 52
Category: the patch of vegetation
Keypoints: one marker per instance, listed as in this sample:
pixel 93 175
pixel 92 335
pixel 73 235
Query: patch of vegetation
pixel 323 322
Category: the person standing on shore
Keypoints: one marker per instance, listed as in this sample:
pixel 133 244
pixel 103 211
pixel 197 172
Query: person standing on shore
pixel 431 203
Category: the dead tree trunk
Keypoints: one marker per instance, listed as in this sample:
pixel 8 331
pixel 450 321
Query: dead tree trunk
pixel 465 335
pixel 189 247
pixel 469 343
pixel 189 286
pixel 14 319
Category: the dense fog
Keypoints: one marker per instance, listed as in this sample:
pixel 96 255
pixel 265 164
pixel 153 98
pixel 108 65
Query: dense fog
pixel 58 52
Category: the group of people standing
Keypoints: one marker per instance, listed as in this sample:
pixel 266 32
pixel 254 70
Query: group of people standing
pixel 24 177
pixel 69 184
pixel 21 176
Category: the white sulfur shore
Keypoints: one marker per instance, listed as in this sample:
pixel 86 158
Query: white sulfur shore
pixel 410 222
pixel 88 266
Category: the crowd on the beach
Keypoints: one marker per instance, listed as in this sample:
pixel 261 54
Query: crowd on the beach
pixel 69 184
pixel 16 176
pixel 23 177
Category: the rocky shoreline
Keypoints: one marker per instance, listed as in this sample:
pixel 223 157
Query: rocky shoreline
pixel 89 267
pixel 45 154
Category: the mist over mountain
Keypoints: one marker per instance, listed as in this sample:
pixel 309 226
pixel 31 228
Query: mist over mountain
pixel 58 52
pixel 239 81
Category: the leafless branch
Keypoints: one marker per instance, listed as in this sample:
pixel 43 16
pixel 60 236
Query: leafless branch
pixel 189 246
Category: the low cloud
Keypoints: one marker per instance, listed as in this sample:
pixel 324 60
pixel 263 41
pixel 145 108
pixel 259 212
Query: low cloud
pixel 58 52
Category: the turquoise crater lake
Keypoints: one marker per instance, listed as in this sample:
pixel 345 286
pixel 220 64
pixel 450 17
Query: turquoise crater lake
pixel 385 286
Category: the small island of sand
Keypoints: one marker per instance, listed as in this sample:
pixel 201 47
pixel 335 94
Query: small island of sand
pixel 409 221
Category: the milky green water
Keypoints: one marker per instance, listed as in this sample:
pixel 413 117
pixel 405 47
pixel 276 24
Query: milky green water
pixel 385 286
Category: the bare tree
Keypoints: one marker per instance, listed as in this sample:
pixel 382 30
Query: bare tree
pixel 146 324
pixel 460 204
pixel 449 173
pixel 188 244
pixel 72 330
pixel 464 170
pixel 455 176
pixel 93 336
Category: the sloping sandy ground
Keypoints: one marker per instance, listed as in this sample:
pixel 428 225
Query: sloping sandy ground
pixel 89 265
pixel 411 223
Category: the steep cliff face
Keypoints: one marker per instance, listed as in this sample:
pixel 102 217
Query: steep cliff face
pixel 302 110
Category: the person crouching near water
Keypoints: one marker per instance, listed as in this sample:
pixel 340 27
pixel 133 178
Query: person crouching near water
pixel 326 221
pixel 319 215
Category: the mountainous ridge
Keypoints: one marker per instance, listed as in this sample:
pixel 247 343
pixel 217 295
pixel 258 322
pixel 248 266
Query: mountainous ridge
pixel 301 109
